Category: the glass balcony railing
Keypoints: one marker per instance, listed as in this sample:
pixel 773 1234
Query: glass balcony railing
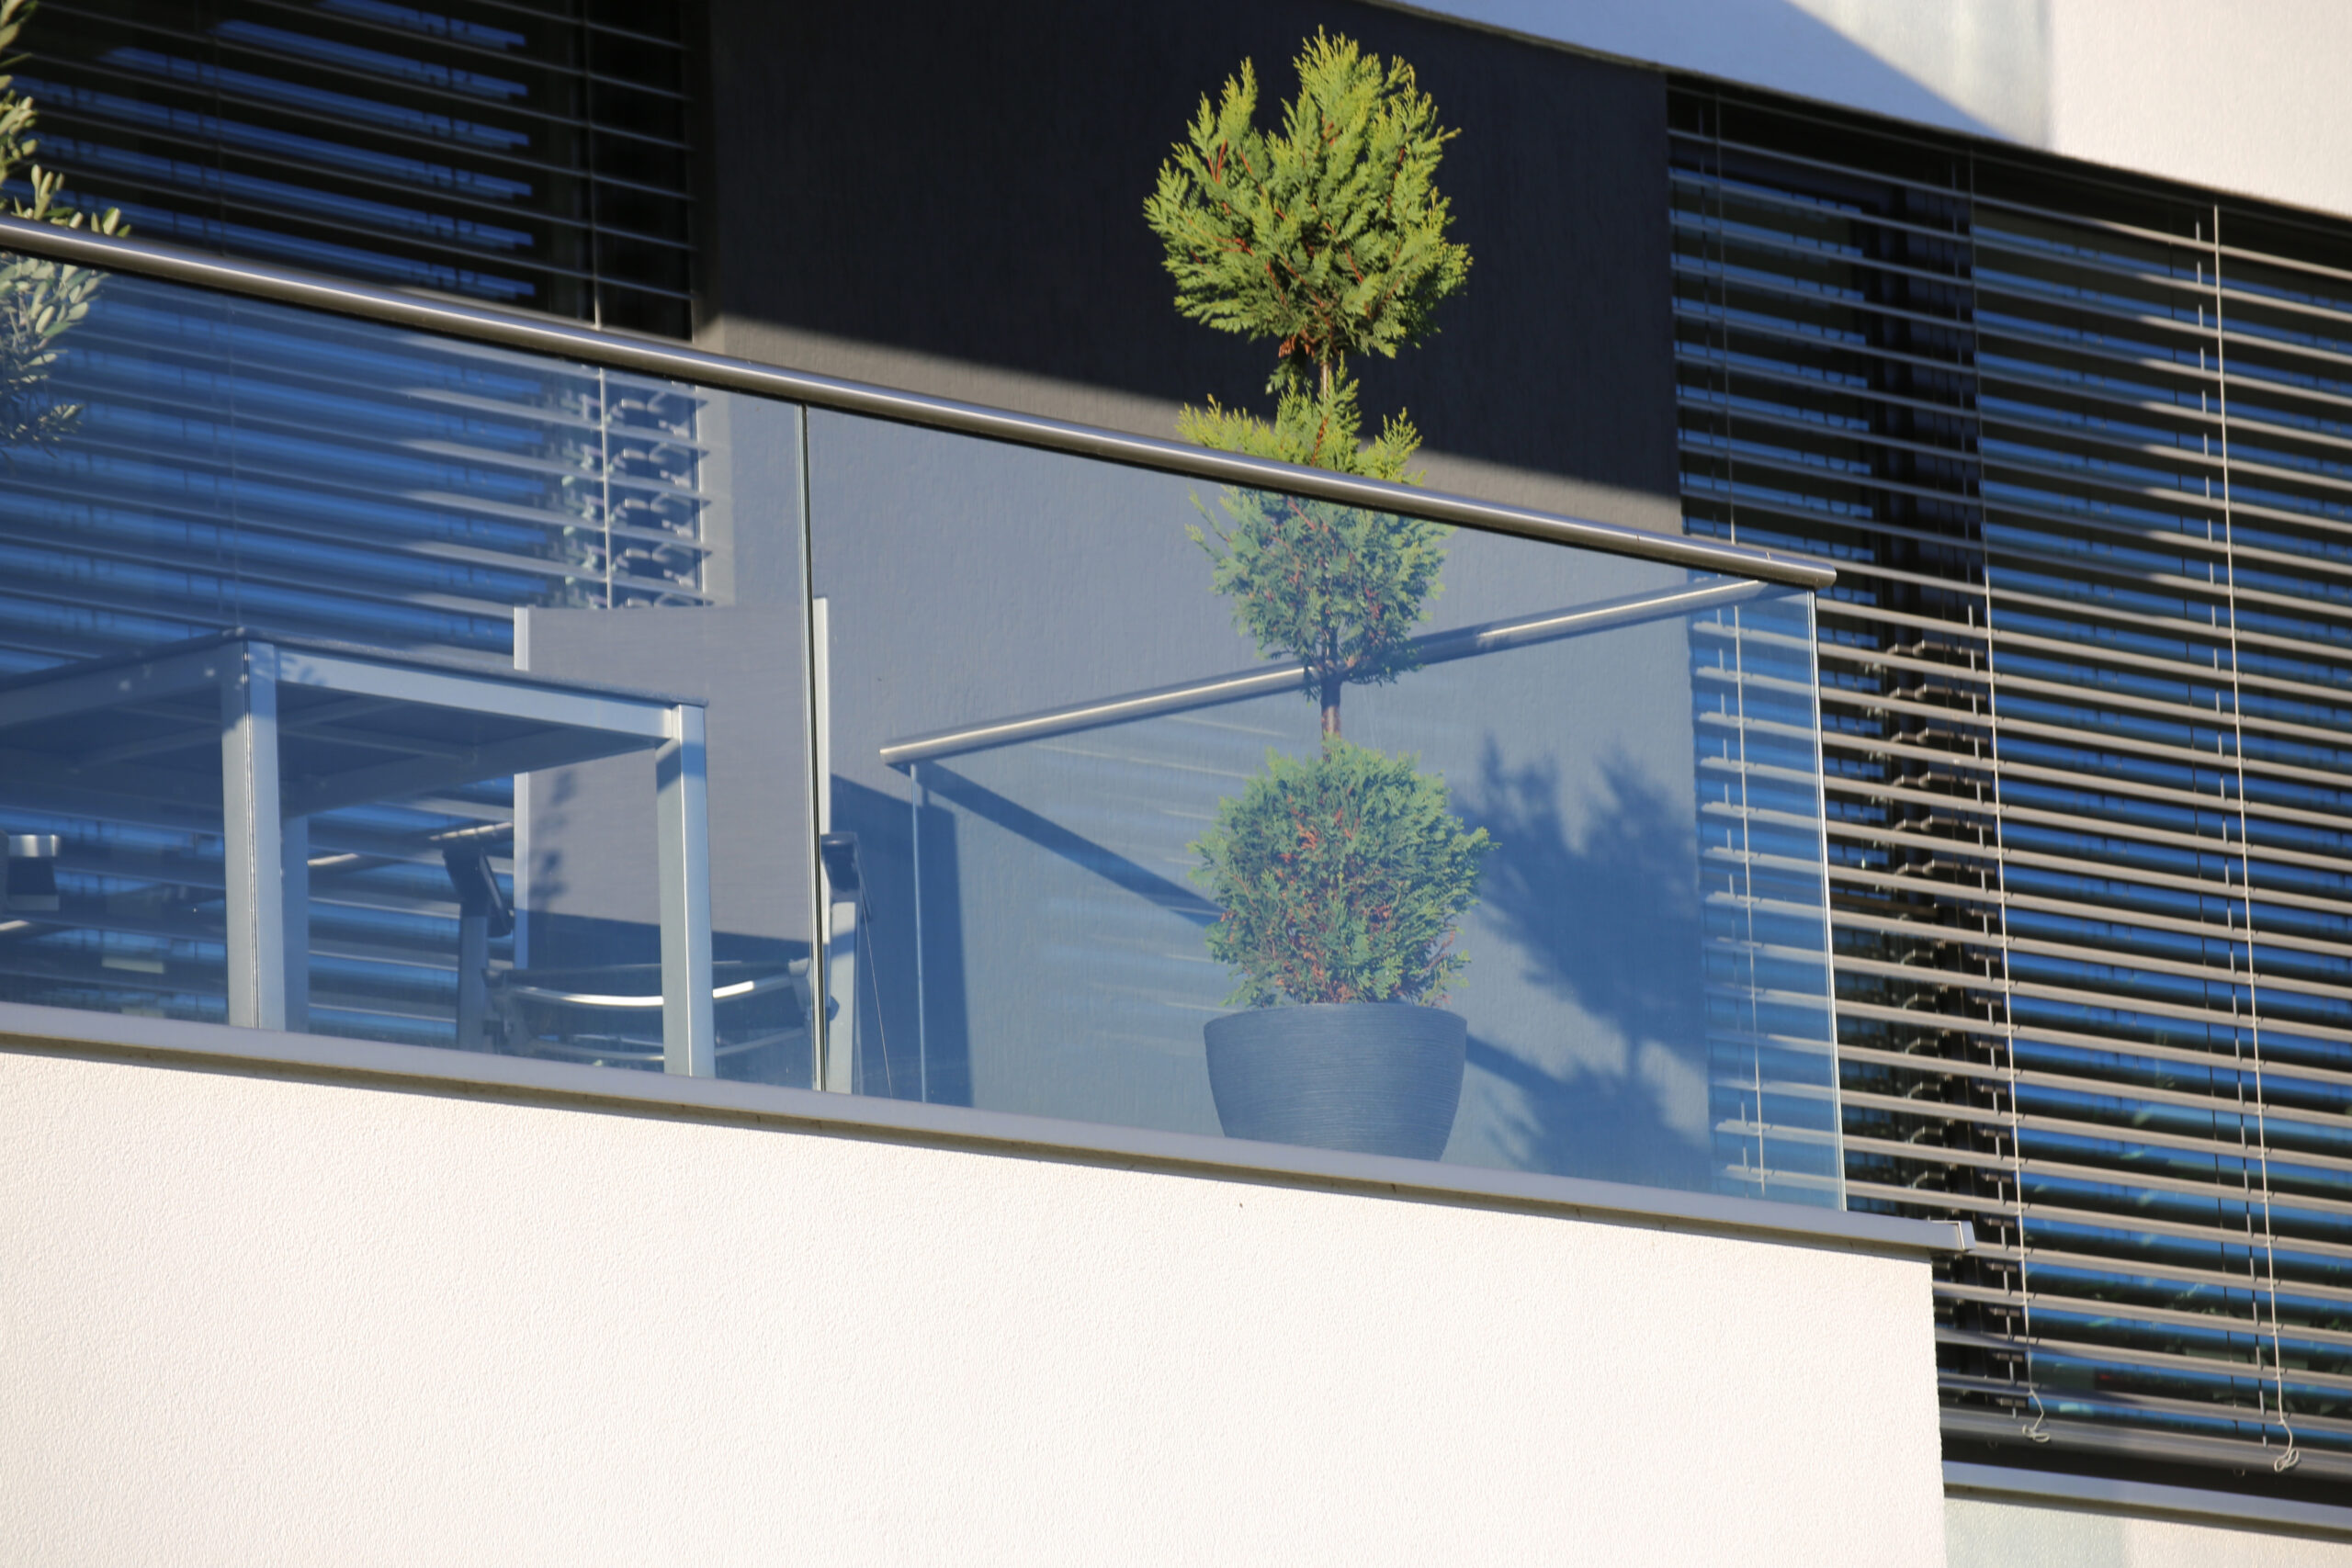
pixel 621 720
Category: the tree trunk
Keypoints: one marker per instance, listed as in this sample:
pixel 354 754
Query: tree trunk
pixel 1333 680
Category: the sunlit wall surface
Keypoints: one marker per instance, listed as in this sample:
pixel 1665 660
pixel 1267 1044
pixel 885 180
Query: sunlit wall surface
pixel 1003 715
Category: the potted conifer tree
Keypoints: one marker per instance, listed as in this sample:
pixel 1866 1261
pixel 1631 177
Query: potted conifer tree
pixel 1341 876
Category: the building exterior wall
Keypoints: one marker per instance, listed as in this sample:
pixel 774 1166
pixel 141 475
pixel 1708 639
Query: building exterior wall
pixel 2008 1535
pixel 248 1319
pixel 983 237
pixel 2245 98
pixel 251 1320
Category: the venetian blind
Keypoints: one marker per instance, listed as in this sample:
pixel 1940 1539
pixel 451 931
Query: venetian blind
pixel 527 152
pixel 2081 449
pixel 244 464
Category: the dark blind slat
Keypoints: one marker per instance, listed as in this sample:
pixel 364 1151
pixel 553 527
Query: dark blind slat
pixel 520 154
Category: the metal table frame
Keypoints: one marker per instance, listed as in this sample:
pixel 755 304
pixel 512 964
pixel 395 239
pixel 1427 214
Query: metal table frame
pixel 265 816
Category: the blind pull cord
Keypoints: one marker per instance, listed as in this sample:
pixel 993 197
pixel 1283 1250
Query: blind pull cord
pixel 2291 1456
pixel 2034 1430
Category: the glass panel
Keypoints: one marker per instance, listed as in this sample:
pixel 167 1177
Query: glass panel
pixel 186 462
pixel 1575 803
pixel 1763 887
pixel 1144 802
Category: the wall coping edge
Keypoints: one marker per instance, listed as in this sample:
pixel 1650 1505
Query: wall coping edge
pixel 29 1029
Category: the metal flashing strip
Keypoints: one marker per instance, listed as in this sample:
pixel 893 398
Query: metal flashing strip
pixel 2182 1505
pixel 2098 1433
pixel 552 336
pixel 171 1043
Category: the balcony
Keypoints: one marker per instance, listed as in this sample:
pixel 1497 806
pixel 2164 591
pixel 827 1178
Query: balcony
pixel 1006 723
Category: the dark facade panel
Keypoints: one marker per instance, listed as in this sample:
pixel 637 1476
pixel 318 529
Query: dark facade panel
pixel 946 194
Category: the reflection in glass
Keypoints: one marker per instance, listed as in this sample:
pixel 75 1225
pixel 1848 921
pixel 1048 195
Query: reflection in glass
pixel 41 301
pixel 1589 782
pixel 1039 708
pixel 233 464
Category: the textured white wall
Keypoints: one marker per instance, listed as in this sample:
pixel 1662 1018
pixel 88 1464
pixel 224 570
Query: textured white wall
pixel 245 1320
pixel 1974 65
pixel 2004 1535
pixel 2244 97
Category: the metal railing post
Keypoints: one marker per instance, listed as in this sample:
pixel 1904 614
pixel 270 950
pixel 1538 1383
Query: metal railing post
pixel 252 835
pixel 689 1034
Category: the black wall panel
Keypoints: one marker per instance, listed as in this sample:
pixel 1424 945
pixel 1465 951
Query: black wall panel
pixel 967 183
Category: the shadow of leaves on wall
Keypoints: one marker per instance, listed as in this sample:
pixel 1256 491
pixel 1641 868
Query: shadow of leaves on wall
pixel 1608 920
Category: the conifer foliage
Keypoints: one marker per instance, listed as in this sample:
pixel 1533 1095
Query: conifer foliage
pixel 1341 876
pixel 1329 234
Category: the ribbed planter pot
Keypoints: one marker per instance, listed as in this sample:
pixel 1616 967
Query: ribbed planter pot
pixel 1372 1078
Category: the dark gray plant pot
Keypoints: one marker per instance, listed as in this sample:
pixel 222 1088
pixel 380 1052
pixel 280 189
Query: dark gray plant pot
pixel 1373 1077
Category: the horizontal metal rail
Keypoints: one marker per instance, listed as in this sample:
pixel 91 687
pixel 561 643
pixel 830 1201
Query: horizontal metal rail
pixel 2305 1295
pixel 541 334
pixel 1985 1425
pixel 1268 680
pixel 1998 1482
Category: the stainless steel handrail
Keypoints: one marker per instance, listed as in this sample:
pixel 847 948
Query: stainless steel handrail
pixel 1465 642
pixel 552 336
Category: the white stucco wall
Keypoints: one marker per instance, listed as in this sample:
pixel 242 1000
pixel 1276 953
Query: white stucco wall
pixel 2006 1535
pixel 250 1321
pixel 2244 97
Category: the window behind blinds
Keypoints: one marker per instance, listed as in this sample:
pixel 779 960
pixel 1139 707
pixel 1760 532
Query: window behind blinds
pixel 529 153
pixel 2082 451
pixel 244 464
